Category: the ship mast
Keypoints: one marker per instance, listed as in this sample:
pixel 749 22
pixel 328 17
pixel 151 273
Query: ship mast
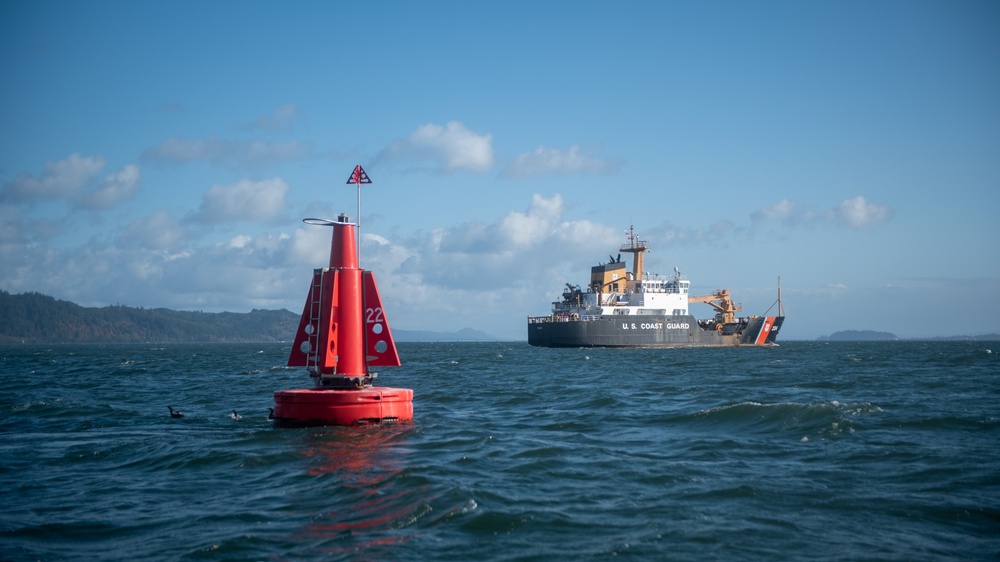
pixel 636 247
pixel 781 309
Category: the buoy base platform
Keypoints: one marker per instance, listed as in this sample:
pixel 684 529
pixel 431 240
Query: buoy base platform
pixel 307 407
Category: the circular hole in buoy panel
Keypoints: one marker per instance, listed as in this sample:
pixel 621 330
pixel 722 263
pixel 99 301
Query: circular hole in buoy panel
pixel 377 328
pixel 310 329
pixel 305 347
pixel 381 346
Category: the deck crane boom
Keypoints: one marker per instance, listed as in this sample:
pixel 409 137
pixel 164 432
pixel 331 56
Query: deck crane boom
pixel 723 304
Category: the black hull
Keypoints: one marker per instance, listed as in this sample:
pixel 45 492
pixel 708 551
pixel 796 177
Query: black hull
pixel 650 331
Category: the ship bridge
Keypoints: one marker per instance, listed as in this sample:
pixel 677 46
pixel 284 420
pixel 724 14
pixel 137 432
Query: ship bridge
pixel 657 285
pixel 654 295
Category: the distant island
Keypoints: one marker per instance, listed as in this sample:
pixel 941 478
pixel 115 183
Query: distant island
pixel 872 335
pixel 859 335
pixel 38 318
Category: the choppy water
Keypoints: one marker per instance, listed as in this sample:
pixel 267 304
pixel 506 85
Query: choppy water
pixel 832 451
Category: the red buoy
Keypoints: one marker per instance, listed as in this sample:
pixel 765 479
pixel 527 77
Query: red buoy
pixel 343 332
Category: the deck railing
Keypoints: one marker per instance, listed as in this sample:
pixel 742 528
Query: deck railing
pixel 544 319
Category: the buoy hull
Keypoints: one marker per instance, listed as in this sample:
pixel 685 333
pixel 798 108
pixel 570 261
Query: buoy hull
pixel 318 407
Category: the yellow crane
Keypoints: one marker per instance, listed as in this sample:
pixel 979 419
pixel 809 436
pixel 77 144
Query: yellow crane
pixel 723 304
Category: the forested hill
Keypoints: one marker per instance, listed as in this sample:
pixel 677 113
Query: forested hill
pixel 37 318
pixel 859 335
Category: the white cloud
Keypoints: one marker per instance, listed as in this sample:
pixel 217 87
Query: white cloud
pixel 495 256
pixel 853 213
pixel 374 238
pixel 67 180
pixel 525 229
pixel 448 149
pixel 239 241
pixel 515 230
pixel 544 160
pixel 12 228
pixel 160 231
pixel 675 236
pixel 60 179
pixel 116 188
pixel 782 210
pixel 245 201
pixel 178 150
pixel 859 213
pixel 224 152
pixel 155 265
pixel 306 243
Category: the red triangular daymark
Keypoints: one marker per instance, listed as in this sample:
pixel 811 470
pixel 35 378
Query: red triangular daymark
pixel 380 347
pixel 359 176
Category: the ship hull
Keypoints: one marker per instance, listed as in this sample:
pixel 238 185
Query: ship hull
pixel 649 331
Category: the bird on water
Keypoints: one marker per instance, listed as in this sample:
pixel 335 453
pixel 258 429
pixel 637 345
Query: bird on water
pixel 235 417
pixel 270 415
pixel 175 413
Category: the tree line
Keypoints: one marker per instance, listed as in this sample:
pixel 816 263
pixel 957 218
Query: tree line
pixel 37 318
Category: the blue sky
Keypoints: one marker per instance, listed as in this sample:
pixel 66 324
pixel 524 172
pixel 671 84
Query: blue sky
pixel 163 154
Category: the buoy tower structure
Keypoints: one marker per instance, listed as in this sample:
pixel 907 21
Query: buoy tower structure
pixel 342 334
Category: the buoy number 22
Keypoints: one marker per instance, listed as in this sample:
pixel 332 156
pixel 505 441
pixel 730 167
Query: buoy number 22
pixel 374 315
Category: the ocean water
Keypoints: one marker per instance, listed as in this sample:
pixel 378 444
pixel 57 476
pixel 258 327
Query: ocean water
pixel 828 451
